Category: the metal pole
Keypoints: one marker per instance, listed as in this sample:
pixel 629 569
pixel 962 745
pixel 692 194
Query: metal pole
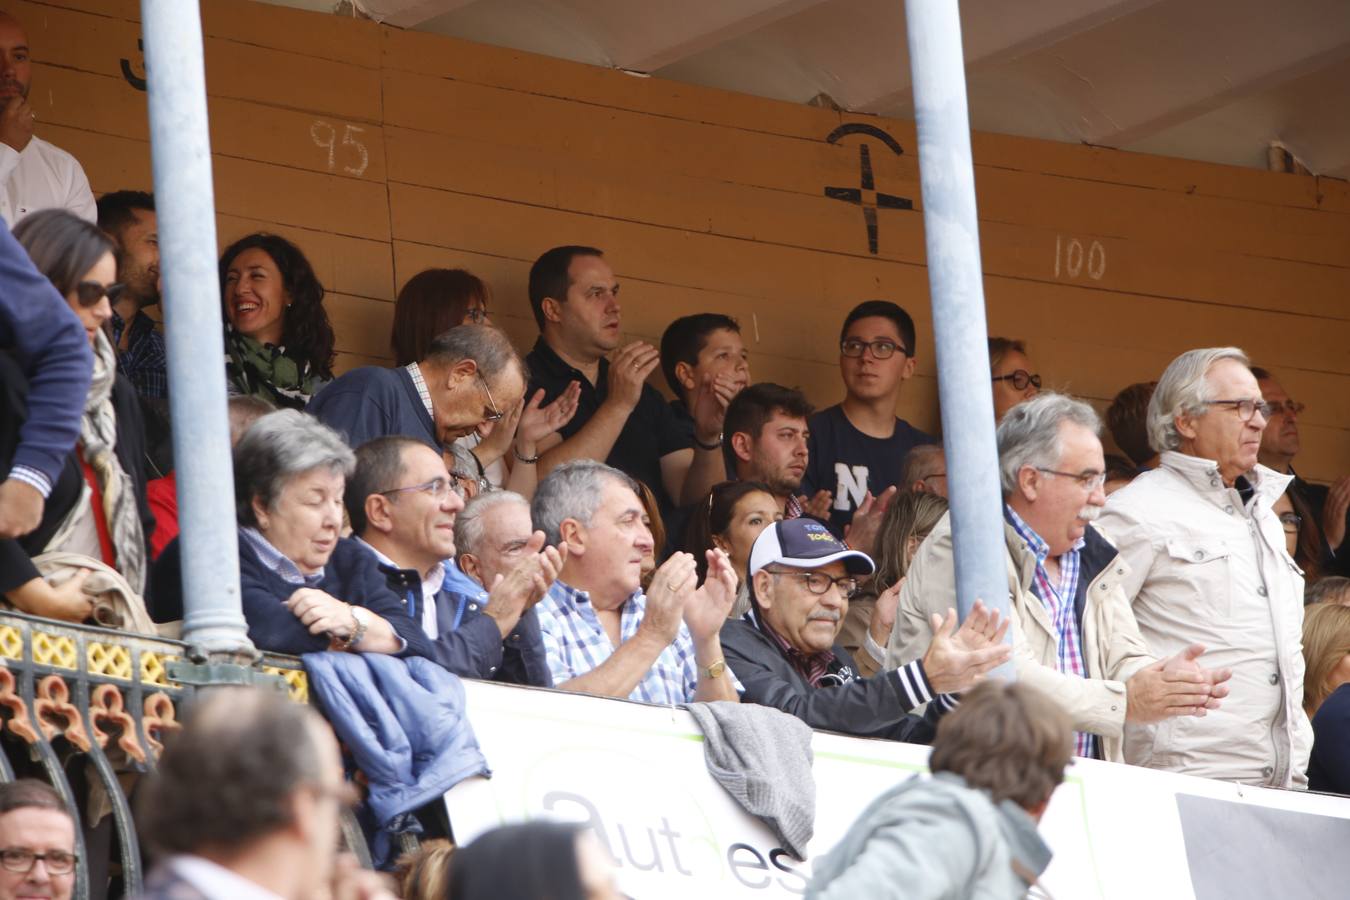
pixel 180 145
pixel 955 283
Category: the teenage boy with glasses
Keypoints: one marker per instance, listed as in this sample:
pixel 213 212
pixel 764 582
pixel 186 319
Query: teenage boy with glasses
pixel 857 448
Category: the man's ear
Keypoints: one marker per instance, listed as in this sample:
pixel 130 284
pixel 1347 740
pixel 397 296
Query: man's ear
pixel 552 309
pixel 574 533
pixel 468 564
pixel 740 445
pixel 1028 482
pixel 379 514
pixel 684 374
pixel 763 582
pixel 1185 425
pixel 460 372
pixel 907 370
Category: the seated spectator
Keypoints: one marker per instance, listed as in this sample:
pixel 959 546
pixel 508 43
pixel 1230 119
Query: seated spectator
pixel 734 515
pixel 1324 510
pixel 129 219
pixel 162 493
pixel 245 803
pixel 111 521
pixel 1014 378
pixel 34 174
pixel 1119 472
pixel 704 361
pixel 857 447
pixel 783 650
pixel 1127 421
pixel 766 438
pixel 925 470
pixel 970 829
pixel 1328 589
pixel 530 861
pixel 1204 560
pixel 1326 695
pixel 651 517
pixel 37 842
pixel 621 419
pixel 278 340
pixel 46 363
pixel 603 634
pixel 403 506
pixel 303 587
pixel 471 375
pixel 1074 635
pixel 871 615
pixel 424 874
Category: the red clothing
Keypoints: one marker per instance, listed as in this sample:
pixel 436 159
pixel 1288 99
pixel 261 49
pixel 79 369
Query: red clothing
pixel 105 544
pixel 162 493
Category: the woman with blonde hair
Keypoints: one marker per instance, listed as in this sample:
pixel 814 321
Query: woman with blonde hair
pixel 1326 695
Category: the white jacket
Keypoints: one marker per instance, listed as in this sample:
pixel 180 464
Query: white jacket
pixel 1204 567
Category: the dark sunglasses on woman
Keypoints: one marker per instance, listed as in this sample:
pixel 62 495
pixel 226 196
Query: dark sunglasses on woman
pixel 90 292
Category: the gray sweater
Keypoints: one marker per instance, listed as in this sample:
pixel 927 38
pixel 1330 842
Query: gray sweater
pixel 933 839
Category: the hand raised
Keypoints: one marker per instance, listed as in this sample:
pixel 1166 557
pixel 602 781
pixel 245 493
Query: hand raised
pixel 628 372
pixel 955 663
pixel 883 613
pixel 707 611
pixel 538 422
pixel 861 533
pixel 1176 686
pixel 1333 513
pixel 672 586
pixel 818 505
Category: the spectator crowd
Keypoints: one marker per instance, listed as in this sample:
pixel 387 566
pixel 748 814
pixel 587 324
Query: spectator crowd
pixel 546 517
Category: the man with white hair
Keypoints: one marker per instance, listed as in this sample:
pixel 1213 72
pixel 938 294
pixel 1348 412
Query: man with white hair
pixel 1207 561
pixel 1074 636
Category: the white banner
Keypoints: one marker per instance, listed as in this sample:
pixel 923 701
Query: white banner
pixel 636 773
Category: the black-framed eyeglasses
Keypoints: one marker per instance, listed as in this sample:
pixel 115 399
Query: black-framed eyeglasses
pixel 495 415
pixel 1280 407
pixel 436 487
pixel 1246 407
pixel 21 859
pixel 881 349
pixel 1020 378
pixel 819 582
pixel 1292 522
pixel 1088 481
pixel 90 292
pixel 476 315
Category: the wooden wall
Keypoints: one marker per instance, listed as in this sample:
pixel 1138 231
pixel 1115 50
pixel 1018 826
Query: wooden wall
pixel 383 152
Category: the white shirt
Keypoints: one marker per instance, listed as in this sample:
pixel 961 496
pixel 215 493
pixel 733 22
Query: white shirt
pixel 41 177
pixel 217 882
pixel 431 586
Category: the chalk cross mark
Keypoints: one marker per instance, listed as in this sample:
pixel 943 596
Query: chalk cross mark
pixel 866 194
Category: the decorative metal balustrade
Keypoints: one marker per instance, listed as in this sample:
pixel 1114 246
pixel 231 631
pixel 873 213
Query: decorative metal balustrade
pixel 87 710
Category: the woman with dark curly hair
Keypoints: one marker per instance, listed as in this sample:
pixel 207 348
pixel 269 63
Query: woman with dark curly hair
pixel 278 340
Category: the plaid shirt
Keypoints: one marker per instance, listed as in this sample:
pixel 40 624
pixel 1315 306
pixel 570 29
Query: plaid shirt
pixel 793 508
pixel 144 361
pixel 576 643
pixel 1059 603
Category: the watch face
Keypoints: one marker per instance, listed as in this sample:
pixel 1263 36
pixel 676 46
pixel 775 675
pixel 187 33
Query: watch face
pixel 361 614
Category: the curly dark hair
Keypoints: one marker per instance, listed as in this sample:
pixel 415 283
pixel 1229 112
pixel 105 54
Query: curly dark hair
pixel 306 331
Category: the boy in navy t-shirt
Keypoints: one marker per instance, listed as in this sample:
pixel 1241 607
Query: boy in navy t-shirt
pixel 860 445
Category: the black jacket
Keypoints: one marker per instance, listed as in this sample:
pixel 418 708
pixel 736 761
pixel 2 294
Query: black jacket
pixel 866 707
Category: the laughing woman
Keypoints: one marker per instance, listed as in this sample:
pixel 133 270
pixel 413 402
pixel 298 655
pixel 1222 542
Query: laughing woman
pixel 278 340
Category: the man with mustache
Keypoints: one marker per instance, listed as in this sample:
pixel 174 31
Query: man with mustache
pixel 620 418
pixel 403 506
pixel 1206 559
pixel 1074 635
pixel 783 651
pixel 33 173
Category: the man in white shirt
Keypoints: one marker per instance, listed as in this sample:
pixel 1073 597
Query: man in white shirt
pixel 33 173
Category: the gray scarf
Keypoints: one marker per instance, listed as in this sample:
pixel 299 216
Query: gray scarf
pixel 98 442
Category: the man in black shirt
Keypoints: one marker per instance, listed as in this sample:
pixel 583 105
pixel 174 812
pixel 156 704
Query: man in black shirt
pixel 620 418
pixel 858 447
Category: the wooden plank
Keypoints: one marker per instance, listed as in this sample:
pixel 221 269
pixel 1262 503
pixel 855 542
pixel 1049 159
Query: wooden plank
pixel 343 264
pixel 346 206
pixel 362 324
pixel 344 362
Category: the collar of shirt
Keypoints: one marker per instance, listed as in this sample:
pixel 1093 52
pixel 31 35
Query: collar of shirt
pixel 415 372
pixel 811 666
pixel 215 881
pixel 793 508
pixel 280 564
pixel 548 362
pixel 431 581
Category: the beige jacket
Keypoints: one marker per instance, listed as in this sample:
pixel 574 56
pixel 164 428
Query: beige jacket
pixel 1206 568
pixel 1112 647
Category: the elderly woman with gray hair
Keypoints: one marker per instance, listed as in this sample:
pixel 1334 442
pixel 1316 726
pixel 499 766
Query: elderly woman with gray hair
pixel 1207 562
pixel 304 587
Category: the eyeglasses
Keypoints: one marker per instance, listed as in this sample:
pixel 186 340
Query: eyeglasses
pixel 463 481
pixel 1246 408
pixel 1292 522
pixel 819 582
pixel 476 314
pixel 436 487
pixel 1280 407
pixel 1020 379
pixel 1088 481
pixel 496 414
pixel 854 348
pixel 90 292
pixel 21 859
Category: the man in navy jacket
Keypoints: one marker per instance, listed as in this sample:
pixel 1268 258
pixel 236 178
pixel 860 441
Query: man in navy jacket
pixel 403 505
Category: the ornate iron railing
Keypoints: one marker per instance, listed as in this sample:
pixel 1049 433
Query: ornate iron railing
pixel 86 709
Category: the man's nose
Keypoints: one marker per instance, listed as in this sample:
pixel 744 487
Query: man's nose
pixel 452 501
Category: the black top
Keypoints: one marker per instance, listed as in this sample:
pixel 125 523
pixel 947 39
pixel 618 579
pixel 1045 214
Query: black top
pixel 1334 562
pixel 848 463
pixel 1329 767
pixel 650 433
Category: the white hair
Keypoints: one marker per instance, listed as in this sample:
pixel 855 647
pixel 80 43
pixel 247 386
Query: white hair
pixel 1182 390
pixel 469 525
pixel 572 491
pixel 1029 433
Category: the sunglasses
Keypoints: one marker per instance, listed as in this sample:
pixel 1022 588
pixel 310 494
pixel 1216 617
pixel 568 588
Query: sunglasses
pixel 90 292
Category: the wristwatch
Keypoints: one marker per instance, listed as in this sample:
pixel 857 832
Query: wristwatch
pixel 361 617
pixel 715 671
pixel 712 446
